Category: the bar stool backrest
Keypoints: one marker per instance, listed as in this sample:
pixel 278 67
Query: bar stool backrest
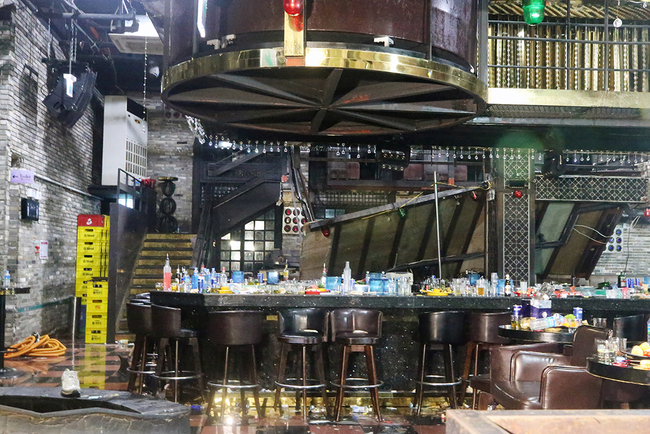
pixel 445 327
pixel 632 327
pixel 293 321
pixel 484 327
pixel 235 327
pixel 351 320
pixel 138 318
pixel 584 343
pixel 166 321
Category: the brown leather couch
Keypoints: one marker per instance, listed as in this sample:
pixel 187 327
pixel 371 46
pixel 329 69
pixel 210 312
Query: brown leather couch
pixel 540 376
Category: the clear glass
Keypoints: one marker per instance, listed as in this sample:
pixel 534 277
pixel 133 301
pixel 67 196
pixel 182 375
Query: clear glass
pixel 601 350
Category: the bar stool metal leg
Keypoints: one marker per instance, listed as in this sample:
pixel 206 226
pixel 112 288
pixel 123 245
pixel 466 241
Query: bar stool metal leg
pixel 372 379
pixel 343 376
pixel 320 367
pixel 284 350
pixel 304 381
pixel 256 393
pixel 419 390
pixel 224 390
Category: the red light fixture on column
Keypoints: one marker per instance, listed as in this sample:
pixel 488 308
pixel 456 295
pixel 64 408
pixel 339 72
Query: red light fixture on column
pixel 518 194
pixel 646 212
pixel 293 7
pixel 326 232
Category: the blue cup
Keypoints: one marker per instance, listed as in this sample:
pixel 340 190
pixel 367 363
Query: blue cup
pixel 238 277
pixel 501 286
pixel 646 280
pixel 333 283
pixel 376 286
pixel 272 277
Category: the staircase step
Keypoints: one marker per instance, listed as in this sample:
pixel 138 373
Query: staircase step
pixel 167 244
pixel 169 236
pixel 159 262
pixel 164 252
pixel 149 281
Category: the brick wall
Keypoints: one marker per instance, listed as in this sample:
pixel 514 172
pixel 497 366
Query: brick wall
pixel 61 158
pixel 170 153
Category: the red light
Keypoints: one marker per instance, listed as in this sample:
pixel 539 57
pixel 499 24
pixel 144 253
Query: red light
pixel 295 220
pixel 326 232
pixel 287 211
pixel 287 228
pixel 303 221
pixel 518 194
pixel 646 212
pixel 295 228
pixel 474 195
pixel 292 7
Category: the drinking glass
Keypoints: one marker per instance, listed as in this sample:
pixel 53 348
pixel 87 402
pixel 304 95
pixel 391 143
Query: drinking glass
pixel 601 350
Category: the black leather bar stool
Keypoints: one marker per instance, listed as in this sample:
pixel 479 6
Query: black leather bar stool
pixel 166 323
pixel 138 319
pixel 237 330
pixel 482 334
pixel 304 328
pixel 443 330
pixel 357 331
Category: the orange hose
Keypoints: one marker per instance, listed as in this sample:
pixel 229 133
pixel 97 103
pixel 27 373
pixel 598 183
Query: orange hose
pixel 43 347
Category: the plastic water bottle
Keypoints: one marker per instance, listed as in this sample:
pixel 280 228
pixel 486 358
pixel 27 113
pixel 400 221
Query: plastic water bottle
pixel 195 280
pixel 347 278
pixel 7 281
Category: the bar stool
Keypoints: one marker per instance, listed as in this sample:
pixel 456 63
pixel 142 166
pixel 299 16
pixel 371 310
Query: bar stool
pixel 440 329
pixel 138 319
pixel 304 328
pixel 483 334
pixel 166 323
pixel 242 330
pixel 357 330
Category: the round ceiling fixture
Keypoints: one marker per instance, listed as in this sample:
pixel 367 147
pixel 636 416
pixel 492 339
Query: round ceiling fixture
pixel 332 92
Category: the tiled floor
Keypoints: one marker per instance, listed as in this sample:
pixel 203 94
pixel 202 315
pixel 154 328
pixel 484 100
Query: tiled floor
pixel 103 367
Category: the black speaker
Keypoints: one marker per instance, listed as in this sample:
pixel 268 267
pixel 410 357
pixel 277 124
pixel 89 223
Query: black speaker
pixel 67 109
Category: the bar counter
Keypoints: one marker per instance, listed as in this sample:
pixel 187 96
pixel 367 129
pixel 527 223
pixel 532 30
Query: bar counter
pixel 398 352
pixel 591 306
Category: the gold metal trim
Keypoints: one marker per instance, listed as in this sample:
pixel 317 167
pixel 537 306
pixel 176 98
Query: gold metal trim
pixel 294 38
pixel 317 57
pixel 568 98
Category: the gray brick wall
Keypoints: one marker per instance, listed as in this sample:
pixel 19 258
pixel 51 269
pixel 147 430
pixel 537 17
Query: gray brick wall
pixel 30 138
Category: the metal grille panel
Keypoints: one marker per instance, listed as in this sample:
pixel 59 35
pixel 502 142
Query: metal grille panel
pixel 516 221
pixel 592 189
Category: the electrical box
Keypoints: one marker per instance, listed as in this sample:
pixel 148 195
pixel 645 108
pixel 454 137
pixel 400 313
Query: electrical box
pixel 125 139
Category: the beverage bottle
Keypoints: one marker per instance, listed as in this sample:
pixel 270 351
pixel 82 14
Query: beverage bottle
pixel 167 276
pixel 323 277
pixel 648 335
pixel 187 281
pixel 367 277
pixel 195 280
pixel 223 278
pixel 285 273
pixel 7 279
pixel 213 279
pixel 200 282
pixel 347 278
pixel 507 290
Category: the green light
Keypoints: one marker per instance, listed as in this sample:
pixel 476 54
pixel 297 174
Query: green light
pixel 533 11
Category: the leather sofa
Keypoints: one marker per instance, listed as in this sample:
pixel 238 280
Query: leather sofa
pixel 541 376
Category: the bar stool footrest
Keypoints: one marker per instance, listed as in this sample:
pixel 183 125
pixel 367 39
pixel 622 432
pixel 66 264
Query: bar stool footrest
pixel 300 386
pixel 355 386
pixel 133 371
pixel 172 376
pixel 233 385
pixel 439 384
